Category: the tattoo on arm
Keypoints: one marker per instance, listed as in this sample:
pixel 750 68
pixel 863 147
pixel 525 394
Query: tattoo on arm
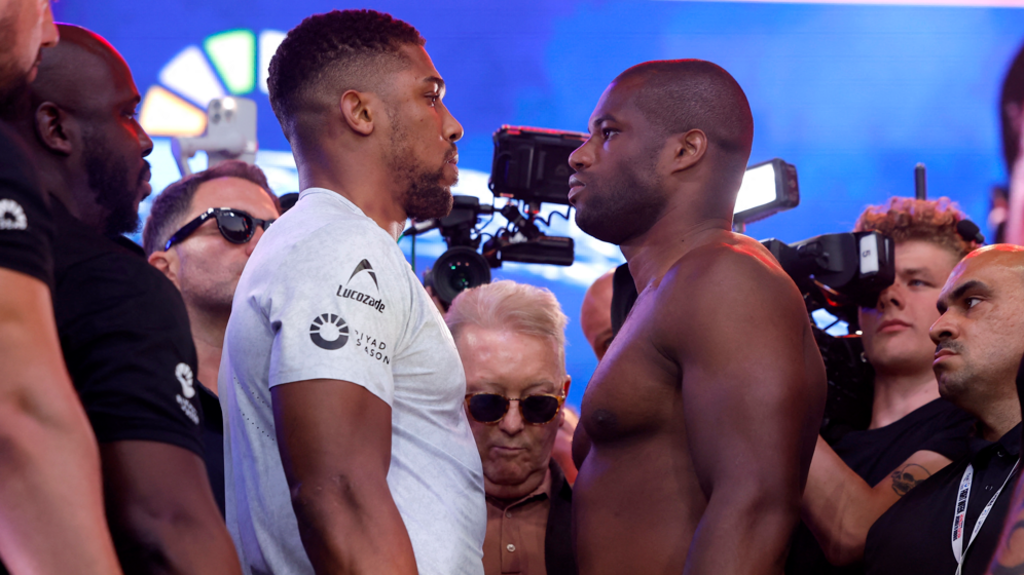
pixel 999 566
pixel 907 478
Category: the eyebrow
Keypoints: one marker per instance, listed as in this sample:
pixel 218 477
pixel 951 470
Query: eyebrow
pixel 959 293
pixel 436 80
pixel 597 121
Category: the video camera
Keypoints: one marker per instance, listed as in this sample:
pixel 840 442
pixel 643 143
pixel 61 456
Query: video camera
pixel 530 167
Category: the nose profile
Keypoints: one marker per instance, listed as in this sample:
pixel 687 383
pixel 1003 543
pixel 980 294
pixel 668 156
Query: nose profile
pixel 942 329
pixel 581 158
pixel 51 35
pixel 453 131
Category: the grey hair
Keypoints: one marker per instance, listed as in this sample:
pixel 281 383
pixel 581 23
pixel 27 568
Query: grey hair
pixel 507 305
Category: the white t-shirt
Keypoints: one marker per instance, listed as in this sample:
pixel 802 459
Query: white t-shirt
pixel 327 294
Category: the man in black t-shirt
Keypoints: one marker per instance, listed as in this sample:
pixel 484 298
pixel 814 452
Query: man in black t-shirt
pixel 122 325
pixel 955 517
pixel 50 524
pixel 192 236
pixel 913 433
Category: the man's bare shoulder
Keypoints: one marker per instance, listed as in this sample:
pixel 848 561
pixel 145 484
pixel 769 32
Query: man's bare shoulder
pixel 726 263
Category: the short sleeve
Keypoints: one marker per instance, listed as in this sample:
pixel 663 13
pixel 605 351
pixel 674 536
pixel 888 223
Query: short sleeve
pixel 338 309
pixel 26 227
pixel 127 344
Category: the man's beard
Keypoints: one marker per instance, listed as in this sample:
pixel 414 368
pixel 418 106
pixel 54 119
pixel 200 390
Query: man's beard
pixel 109 179
pixel 624 206
pixel 425 194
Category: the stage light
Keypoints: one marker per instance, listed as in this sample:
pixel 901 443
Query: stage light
pixel 164 114
pixel 768 188
pixel 190 75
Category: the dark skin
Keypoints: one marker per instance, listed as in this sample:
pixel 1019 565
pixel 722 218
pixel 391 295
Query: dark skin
pixel 698 426
pixel 335 436
pixel 159 503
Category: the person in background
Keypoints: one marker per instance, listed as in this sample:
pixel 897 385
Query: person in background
pixel 200 233
pixel 50 524
pixel 913 432
pixel 596 315
pixel 123 326
pixel 511 338
pixel 951 522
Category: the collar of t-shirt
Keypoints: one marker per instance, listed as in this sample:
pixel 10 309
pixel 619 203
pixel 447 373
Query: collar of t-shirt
pixel 1010 442
pixel 333 196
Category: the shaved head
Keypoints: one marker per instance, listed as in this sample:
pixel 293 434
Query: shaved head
pixel 980 334
pixel 677 96
pixel 84 101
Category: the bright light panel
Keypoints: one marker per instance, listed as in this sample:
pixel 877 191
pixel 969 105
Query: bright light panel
pixel 234 55
pixel 757 189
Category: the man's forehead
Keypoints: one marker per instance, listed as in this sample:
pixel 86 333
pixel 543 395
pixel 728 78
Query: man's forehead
pixel 229 192
pixel 420 68
pixel 991 270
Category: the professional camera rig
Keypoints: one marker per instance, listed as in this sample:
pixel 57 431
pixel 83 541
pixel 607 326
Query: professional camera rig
pixel 530 168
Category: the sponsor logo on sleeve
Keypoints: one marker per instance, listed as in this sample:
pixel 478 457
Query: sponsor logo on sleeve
pixel 329 331
pixel 348 292
pixel 183 372
pixel 373 347
pixel 12 216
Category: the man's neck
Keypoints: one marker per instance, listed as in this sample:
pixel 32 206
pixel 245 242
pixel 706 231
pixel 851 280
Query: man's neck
pixel 208 335
pixel 504 496
pixel 897 395
pixel 651 255
pixel 997 418
pixel 369 189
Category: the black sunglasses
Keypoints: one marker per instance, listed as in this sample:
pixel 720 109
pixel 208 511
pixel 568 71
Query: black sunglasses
pixel 490 408
pixel 236 226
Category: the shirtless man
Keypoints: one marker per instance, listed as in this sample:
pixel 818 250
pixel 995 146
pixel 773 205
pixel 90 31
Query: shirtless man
pixel 698 426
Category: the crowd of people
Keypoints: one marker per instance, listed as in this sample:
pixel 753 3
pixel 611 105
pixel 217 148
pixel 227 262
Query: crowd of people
pixel 254 391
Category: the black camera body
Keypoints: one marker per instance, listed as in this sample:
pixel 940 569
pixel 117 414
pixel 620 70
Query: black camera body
pixel 530 167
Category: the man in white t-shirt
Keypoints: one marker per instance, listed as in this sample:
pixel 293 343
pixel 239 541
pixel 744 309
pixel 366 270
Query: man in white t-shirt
pixel 346 445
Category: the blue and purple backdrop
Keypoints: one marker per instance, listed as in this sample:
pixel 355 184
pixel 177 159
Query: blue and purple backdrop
pixel 853 93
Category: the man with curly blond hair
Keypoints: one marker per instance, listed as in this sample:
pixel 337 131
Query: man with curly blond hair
pixel 913 432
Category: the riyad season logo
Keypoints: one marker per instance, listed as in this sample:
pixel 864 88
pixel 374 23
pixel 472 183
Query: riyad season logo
pixel 348 293
pixel 12 216
pixel 328 331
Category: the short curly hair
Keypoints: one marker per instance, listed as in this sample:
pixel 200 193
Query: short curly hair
pixel 905 219
pixel 327 54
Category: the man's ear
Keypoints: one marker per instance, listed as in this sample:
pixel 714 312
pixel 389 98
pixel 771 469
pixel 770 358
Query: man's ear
pixel 355 109
pixel 688 148
pixel 565 386
pixel 168 264
pixel 51 126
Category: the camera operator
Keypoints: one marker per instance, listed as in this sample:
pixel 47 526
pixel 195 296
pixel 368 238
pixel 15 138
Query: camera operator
pixel 951 523
pixel 202 248
pixel 913 433
pixel 512 343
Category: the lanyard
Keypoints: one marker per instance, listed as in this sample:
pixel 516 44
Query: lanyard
pixel 960 512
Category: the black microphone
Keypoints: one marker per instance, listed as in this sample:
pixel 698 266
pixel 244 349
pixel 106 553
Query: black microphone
pixel 969 231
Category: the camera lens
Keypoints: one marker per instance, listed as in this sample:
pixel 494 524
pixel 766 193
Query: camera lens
pixel 459 269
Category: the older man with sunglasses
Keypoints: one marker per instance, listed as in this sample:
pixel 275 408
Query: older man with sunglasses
pixel 200 233
pixel 512 343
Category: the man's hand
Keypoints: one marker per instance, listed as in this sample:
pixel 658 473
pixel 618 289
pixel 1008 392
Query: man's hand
pixel 162 512
pixel 840 508
pixel 335 443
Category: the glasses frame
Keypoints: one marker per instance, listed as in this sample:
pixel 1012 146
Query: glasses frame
pixel 508 405
pixel 188 229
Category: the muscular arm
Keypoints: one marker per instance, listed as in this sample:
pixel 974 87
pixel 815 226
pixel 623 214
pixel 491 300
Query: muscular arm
pixel 162 512
pixel 52 520
pixel 753 391
pixel 335 443
pixel 839 507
